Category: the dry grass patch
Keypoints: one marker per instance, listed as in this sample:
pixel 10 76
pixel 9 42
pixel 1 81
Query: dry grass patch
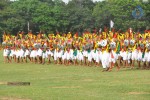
pixel 88 80
pixel 3 83
pixel 65 87
pixel 12 98
pixel 138 93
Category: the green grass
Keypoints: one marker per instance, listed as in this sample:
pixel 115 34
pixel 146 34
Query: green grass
pixel 55 82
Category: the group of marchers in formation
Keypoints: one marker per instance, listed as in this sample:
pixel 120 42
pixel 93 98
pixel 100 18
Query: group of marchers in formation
pixel 106 49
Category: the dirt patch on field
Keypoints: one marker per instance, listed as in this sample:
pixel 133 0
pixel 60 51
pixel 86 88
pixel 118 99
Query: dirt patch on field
pixel 88 80
pixel 145 83
pixel 3 83
pixel 65 87
pixel 137 93
pixel 11 98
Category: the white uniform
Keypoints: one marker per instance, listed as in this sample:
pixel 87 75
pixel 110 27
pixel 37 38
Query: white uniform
pixel 134 55
pixel 55 54
pixel 68 56
pixel 39 52
pixel 89 56
pixel 27 53
pixel 139 56
pixel 71 54
pixel 85 53
pixel 125 55
pixel 93 54
pixel 11 52
pixel 59 54
pixel 80 55
pixel 6 52
pixel 105 59
pixel 121 54
pixel 22 52
pixel 44 54
pixel 33 53
pixel 129 56
pixel 148 57
pixel 75 55
pixel 145 59
pixel 49 52
pixel 98 56
pixel 18 53
pixel 64 55
pixel 14 52
pixel 113 57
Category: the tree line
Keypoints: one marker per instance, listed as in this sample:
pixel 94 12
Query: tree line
pixel 52 16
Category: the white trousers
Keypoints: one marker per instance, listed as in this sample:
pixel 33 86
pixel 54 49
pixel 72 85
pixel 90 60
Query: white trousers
pixel 105 59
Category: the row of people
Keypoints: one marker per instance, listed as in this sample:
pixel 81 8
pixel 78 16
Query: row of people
pixel 109 50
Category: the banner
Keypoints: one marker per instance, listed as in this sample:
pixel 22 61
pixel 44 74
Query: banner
pixel 111 24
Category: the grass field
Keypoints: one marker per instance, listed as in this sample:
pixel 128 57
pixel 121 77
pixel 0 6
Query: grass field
pixel 55 82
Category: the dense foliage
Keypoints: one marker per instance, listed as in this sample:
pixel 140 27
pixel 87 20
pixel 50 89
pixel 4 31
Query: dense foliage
pixel 53 16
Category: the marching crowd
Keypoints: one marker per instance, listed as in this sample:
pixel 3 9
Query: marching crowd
pixel 108 49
